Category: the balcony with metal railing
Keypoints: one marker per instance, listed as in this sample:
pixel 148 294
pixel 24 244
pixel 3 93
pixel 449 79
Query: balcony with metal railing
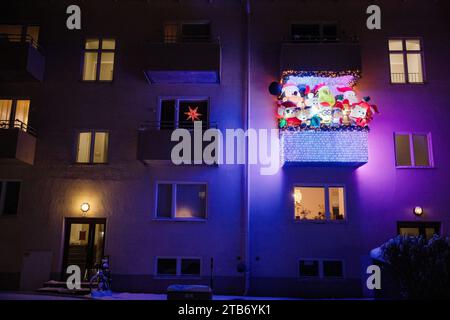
pixel 183 60
pixel 154 140
pixel 17 142
pixel 309 53
pixel 21 59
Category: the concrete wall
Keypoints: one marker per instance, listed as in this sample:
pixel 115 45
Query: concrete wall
pixel 378 194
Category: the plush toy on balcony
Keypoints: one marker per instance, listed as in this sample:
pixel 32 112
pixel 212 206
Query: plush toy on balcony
pixel 304 115
pixel 337 115
pixel 288 112
pixel 349 95
pixel 291 92
pixel 325 114
pixel 362 113
pixel 324 95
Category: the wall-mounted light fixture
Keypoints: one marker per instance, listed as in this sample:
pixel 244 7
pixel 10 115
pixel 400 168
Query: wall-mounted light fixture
pixel 85 208
pixel 418 211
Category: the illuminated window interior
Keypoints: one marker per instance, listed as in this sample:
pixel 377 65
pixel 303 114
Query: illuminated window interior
pixel 92 147
pixel 405 57
pixel 99 59
pixel 181 201
pixel 310 203
pixel 14 113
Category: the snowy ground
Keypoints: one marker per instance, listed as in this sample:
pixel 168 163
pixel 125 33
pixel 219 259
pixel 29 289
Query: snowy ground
pixel 117 296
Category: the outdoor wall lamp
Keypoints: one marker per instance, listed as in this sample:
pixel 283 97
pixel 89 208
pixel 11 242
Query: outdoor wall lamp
pixel 85 208
pixel 418 211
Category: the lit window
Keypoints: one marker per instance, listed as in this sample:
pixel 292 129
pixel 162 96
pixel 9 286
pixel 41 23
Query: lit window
pixel 92 147
pixel 181 201
pixel 415 229
pixel 181 113
pixel 14 113
pixel 99 59
pixel 178 266
pixel 311 202
pixel 406 60
pixel 9 197
pixel 413 150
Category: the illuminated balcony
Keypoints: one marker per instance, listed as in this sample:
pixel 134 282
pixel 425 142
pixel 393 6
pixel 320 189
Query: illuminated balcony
pixel 183 62
pixel 21 59
pixel 17 142
pixel 324 148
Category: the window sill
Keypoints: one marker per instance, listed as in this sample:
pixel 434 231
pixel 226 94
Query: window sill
pixel 415 167
pixel 97 81
pixel 180 219
pixel 177 277
pixel 86 164
pixel 407 83
pixel 344 221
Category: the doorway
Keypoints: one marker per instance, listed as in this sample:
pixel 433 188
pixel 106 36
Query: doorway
pixel 84 244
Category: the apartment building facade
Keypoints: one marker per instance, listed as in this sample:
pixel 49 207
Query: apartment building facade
pixel 87 116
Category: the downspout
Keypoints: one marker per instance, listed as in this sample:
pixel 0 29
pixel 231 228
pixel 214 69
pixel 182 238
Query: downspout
pixel 247 166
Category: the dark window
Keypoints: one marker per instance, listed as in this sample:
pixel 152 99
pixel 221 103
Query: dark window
pixel 413 150
pixel 168 114
pixel 167 266
pixel 413 228
pixel 164 202
pixel 314 32
pixel 309 268
pixel 190 267
pixel 332 268
pixel 200 108
pixel 195 31
pixel 9 197
pixel 182 113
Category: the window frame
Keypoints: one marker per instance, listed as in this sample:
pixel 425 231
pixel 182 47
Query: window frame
pixel 180 37
pixel 411 150
pixel 178 261
pixel 99 52
pixel 421 225
pixel 91 150
pixel 326 188
pixel 3 182
pixel 321 275
pixel 174 203
pixel 179 99
pixel 13 111
pixel 404 53
pixel 321 25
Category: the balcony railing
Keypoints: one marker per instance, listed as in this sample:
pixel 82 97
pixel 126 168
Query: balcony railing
pixel 322 39
pixel 172 125
pixel 17 124
pixel 412 78
pixel 19 38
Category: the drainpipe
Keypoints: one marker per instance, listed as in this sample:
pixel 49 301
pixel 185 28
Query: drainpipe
pixel 246 231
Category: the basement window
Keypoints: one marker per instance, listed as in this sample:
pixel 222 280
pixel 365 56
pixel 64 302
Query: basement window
pixel 308 268
pixel 332 269
pixel 178 266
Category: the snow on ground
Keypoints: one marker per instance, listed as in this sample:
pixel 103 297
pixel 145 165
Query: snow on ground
pixel 117 296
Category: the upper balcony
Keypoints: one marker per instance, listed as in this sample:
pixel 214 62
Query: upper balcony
pixel 21 59
pixel 321 54
pixel 183 61
pixel 155 145
pixel 17 142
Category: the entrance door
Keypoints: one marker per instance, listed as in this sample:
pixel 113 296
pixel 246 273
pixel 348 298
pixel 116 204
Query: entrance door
pixel 84 244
